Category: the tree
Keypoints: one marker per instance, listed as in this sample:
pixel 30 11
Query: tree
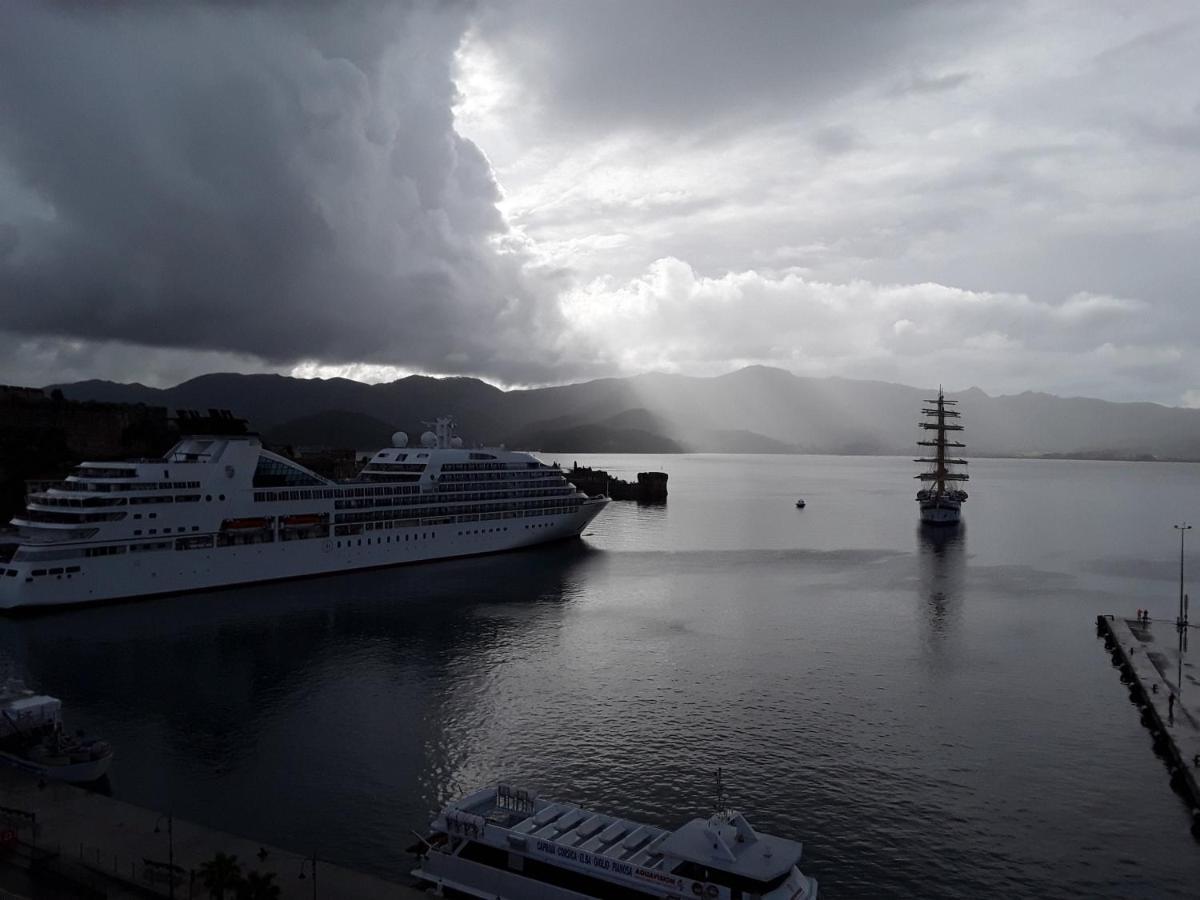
pixel 220 874
pixel 258 886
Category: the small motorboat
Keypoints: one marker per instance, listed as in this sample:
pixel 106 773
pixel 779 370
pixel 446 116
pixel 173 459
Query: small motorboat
pixel 32 738
pixel 800 503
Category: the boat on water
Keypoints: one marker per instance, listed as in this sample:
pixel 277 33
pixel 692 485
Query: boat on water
pixel 32 738
pixel 800 504
pixel 941 501
pixel 507 844
pixel 220 509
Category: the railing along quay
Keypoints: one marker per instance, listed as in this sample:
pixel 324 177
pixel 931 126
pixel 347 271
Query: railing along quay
pixel 1172 715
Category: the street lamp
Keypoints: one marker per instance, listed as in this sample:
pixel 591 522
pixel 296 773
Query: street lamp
pixel 311 862
pixel 1181 621
pixel 170 849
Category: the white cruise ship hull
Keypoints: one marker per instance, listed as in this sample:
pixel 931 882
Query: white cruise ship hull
pixel 154 574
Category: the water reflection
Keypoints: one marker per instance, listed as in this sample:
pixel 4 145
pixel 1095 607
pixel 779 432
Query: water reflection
pixel 941 553
pixel 253 688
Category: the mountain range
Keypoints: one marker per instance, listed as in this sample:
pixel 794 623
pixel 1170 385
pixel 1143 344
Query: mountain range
pixel 755 409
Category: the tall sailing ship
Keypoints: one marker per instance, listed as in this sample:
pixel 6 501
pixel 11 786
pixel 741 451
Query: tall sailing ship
pixel 221 509
pixel 941 502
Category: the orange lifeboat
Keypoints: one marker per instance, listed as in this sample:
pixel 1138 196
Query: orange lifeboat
pixel 303 520
pixel 252 524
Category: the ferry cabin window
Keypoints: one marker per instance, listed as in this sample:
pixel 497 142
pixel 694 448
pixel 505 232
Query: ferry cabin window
pixel 547 873
pixel 734 882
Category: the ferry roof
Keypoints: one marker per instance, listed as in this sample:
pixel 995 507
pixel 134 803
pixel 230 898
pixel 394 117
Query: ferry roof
pixel 726 843
pixel 729 843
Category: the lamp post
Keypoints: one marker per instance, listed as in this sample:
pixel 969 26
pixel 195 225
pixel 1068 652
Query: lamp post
pixel 170 850
pixel 311 862
pixel 1181 621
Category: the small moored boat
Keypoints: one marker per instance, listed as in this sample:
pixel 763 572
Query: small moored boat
pixel 800 504
pixel 32 738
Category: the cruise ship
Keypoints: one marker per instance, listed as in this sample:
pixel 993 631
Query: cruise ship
pixel 502 843
pixel 221 509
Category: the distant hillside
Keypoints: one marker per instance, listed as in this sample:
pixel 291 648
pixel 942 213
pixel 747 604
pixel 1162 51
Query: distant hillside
pixel 633 431
pixel 332 428
pixel 753 409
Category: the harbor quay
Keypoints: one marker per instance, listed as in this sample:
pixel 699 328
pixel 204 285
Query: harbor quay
pixel 57 840
pixel 1163 685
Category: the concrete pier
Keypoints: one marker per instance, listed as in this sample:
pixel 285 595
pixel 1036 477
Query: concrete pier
pixel 57 840
pixel 1147 654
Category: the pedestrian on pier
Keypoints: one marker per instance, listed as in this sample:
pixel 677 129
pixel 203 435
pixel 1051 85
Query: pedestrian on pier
pixel 1171 709
pixel 1139 615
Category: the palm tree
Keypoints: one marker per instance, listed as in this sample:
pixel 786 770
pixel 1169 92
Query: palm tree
pixel 220 874
pixel 258 886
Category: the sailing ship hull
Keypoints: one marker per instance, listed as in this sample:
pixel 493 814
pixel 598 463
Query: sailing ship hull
pixel 941 512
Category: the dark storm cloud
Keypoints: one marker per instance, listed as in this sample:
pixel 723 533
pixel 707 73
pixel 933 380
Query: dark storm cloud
pixel 282 180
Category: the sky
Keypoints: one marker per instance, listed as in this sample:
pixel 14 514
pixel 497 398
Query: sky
pixel 1001 195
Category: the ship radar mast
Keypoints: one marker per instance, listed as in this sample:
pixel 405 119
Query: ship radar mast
pixel 720 804
pixel 442 432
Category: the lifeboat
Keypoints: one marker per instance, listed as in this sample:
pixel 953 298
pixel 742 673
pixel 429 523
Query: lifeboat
pixel 252 524
pixel 303 520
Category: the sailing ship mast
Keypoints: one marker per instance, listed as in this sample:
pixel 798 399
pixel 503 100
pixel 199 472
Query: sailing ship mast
pixel 940 473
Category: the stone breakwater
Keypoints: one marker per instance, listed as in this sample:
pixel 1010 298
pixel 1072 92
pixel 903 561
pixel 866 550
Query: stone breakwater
pixel 650 487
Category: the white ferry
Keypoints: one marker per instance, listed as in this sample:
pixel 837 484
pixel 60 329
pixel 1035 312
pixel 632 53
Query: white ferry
pixel 220 509
pixel 506 844
pixel 32 738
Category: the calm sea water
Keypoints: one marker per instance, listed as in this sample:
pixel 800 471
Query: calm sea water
pixel 933 717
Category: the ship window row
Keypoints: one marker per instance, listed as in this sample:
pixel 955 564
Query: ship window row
pixel 512 477
pixel 47 555
pixel 460 492
pixel 101 487
pixel 40 533
pixel 66 518
pixel 450 497
pixel 98 472
pixel 331 493
pixel 151 546
pixel 423 536
pixel 37 573
pixel 69 502
pixel 477 467
pixel 114 550
pixel 481 477
pixel 548 873
pixel 460 514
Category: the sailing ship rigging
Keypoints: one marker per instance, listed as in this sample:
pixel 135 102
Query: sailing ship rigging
pixel 941 500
